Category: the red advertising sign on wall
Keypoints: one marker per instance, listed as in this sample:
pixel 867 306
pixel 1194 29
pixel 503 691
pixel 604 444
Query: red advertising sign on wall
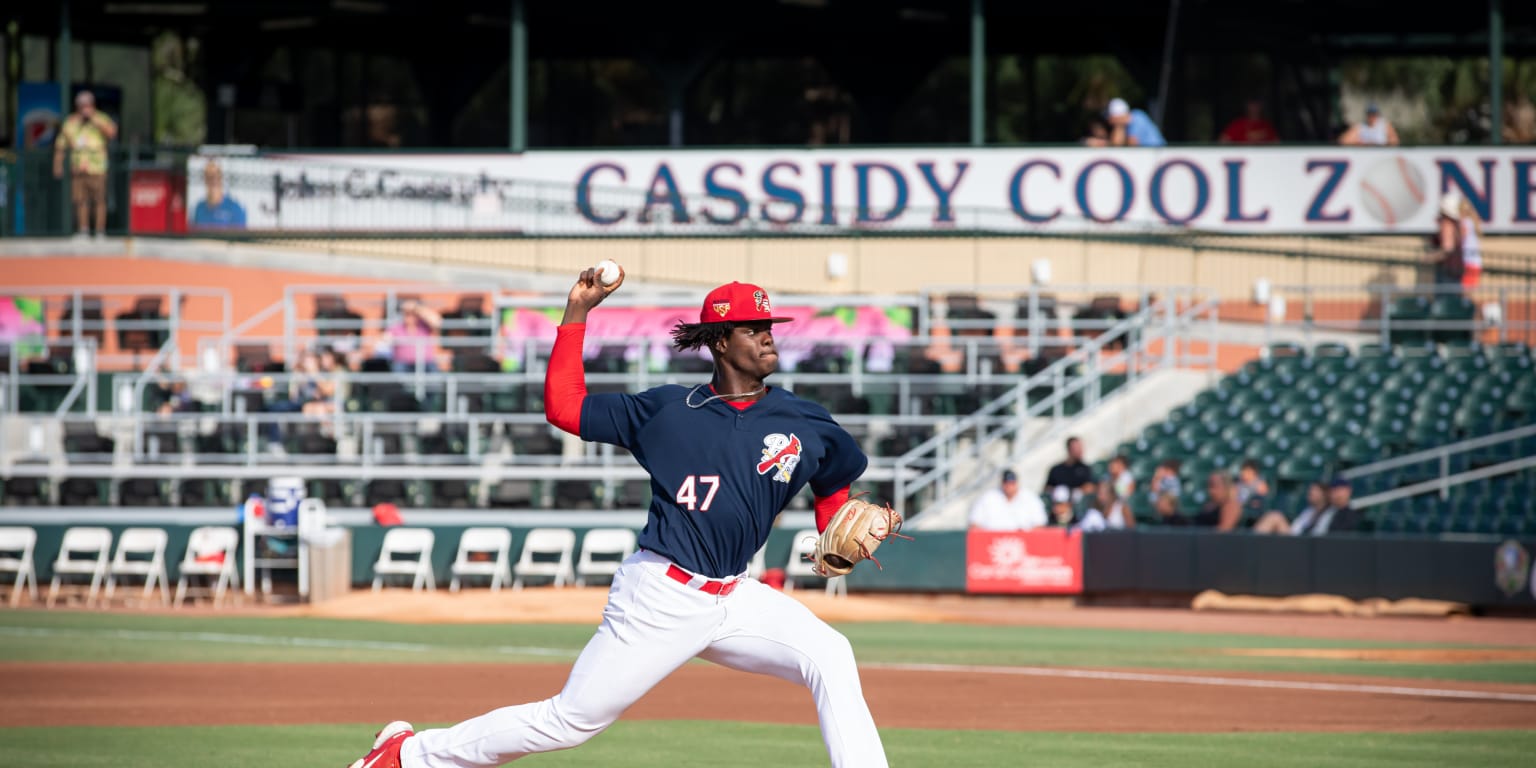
pixel 1045 561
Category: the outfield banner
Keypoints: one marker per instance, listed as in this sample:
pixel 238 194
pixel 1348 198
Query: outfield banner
pixel 1311 190
pixel 1041 561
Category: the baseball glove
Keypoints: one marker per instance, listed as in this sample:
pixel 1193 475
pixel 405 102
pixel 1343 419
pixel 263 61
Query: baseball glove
pixel 855 532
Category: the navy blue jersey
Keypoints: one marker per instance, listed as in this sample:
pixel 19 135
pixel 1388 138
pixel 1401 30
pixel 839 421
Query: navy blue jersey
pixel 719 476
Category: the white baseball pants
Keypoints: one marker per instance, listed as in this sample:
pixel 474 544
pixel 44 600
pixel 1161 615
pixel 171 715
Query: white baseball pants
pixel 651 626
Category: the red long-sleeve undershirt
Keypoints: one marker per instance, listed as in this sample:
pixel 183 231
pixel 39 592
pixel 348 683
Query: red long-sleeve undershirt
pixel 565 389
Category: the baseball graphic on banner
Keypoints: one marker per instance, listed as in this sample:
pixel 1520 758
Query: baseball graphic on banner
pixel 1392 190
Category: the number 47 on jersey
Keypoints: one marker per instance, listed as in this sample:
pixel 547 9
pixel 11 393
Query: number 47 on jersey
pixel 688 492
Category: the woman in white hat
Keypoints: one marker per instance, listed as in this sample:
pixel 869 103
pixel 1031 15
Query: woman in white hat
pixel 1448 241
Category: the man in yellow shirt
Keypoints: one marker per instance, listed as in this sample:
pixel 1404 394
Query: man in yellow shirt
pixel 84 135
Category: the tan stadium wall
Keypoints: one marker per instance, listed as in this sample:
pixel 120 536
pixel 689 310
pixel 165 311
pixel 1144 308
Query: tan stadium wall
pixel 887 265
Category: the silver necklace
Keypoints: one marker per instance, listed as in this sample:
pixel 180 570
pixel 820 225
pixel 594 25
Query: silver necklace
pixel 688 401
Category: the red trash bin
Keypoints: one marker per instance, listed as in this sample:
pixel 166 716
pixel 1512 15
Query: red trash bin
pixel 157 201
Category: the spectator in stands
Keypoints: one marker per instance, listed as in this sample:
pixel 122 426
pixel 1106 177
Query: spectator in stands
pixel 1061 506
pixel 1252 489
pixel 1005 509
pixel 1222 510
pixel 1520 120
pixel 412 339
pixel 1108 512
pixel 315 388
pixel 1097 134
pixel 1166 488
pixel 1251 128
pixel 1131 127
pixel 217 210
pixel 302 388
pixel 1447 245
pixel 1072 473
pixel 1334 518
pixel 1374 131
pixel 178 399
pixel 1469 227
pixel 84 136
pixel 1275 521
pixel 1120 477
pixel 1345 517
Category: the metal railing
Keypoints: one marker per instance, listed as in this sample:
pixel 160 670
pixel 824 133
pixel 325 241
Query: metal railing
pixel 92 312
pixel 160 447
pixel 1508 311
pixel 1445 479
pixel 74 365
pixel 1156 338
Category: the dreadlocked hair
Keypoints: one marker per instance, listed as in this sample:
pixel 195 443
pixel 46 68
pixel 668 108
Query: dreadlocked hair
pixel 686 336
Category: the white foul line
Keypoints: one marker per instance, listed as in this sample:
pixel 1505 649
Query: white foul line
pixel 1231 682
pixel 290 642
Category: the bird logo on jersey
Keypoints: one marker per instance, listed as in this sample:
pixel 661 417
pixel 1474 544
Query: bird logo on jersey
pixel 780 455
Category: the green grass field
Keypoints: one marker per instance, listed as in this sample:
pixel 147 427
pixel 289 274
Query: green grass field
pixel 691 744
pixel 68 636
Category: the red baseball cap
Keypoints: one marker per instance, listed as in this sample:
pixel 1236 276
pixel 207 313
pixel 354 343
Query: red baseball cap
pixel 738 303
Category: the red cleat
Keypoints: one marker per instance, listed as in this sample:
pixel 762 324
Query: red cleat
pixel 386 747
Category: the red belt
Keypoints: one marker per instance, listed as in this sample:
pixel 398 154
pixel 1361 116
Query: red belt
pixel 711 587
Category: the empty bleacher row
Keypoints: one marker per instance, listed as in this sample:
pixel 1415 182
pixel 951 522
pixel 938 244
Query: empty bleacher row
pixel 1307 415
pixel 90 564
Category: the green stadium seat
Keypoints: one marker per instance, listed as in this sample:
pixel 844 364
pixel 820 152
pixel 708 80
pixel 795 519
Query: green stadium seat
pixel 1299 470
pixel 1282 350
pixel 1453 308
pixel 1359 450
pixel 1410 309
pixel 1428 434
pixel 1211 399
pixel 1510 525
pixel 1405 383
pixel 203 492
pixel 1475 418
pixel 1369 379
pixel 1521 402
pixel 1330 350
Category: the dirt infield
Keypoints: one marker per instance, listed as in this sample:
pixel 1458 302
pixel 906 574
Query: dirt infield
pixel 284 694
pixel 45 694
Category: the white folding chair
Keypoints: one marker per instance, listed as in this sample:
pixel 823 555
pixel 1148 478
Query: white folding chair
pixel 21 541
pixel 799 565
pixel 210 554
pixel 759 564
pixel 416 544
pixel 560 542
pixel 141 552
pixel 83 552
pixel 494 541
pixel 602 550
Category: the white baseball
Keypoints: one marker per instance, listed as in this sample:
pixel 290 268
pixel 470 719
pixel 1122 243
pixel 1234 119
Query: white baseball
pixel 1392 190
pixel 607 271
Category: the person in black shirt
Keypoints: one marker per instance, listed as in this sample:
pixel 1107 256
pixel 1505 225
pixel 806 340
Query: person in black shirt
pixel 1072 473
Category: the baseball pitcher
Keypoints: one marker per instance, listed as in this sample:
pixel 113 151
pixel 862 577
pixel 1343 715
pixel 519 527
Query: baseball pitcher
pixel 725 457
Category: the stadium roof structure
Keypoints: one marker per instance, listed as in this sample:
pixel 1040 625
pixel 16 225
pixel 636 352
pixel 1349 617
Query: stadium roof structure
pixel 874 46
pixel 793 27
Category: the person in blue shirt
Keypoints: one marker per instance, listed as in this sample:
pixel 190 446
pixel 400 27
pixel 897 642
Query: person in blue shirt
pixel 217 211
pixel 1131 127
pixel 725 457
